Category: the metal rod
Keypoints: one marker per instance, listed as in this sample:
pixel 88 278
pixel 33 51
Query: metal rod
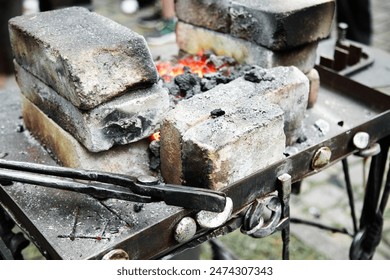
pixel 373 188
pixel 184 196
pixel 386 193
pixel 285 181
pixel 320 226
pixel 386 190
pixel 96 190
pixel 350 194
pixel 72 173
pixel 286 242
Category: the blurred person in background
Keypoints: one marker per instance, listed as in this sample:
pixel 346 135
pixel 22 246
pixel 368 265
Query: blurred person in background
pixel 47 5
pixel 165 28
pixel 8 9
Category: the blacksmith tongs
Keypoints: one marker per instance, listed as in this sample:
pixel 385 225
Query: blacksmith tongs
pixel 104 185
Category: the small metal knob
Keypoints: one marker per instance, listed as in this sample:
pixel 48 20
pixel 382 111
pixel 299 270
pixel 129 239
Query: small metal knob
pixel 321 158
pixel 185 230
pixel 361 140
pixel 147 180
pixel 116 254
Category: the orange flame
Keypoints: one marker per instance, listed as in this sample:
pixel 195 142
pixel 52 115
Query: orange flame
pixel 198 64
pixel 155 136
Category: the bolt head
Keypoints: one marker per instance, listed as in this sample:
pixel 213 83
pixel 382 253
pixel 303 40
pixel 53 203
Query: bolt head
pixel 185 230
pixel 116 254
pixel 147 180
pixel 342 26
pixel 321 158
pixel 361 140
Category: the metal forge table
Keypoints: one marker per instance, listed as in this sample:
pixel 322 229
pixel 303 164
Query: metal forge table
pixel 68 225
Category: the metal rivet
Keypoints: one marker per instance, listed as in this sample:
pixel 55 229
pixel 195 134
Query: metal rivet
pixel 321 158
pixel 116 254
pixel 147 180
pixel 361 140
pixel 185 230
pixel 207 219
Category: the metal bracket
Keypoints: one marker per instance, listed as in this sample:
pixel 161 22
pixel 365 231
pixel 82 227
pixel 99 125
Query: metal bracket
pixel 371 151
pixel 254 223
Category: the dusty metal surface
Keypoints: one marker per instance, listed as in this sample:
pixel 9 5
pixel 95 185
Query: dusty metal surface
pixel 67 225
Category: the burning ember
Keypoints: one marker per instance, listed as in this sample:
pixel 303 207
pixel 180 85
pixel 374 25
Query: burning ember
pixel 194 74
pixel 155 136
pixel 199 64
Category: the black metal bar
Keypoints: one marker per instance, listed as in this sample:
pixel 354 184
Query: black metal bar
pixel 373 188
pixel 386 193
pixel 386 190
pixel 285 192
pixel 350 194
pixel 96 190
pixel 320 226
pixel 371 220
pixel 354 89
pixel 184 196
pixel 286 241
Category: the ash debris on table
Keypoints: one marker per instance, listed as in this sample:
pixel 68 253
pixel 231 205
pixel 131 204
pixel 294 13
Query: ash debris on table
pixel 138 207
pixel 322 126
pixel 20 128
pixel 217 113
pixel 3 154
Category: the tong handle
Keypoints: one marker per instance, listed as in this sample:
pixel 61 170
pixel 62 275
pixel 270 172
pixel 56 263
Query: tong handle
pixel 97 190
pixel 117 186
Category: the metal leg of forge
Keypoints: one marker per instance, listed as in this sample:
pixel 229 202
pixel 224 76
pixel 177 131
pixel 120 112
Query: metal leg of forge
pixel 11 244
pixel 371 221
pixel 367 235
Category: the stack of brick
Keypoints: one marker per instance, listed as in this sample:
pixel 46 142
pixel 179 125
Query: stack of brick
pixel 267 33
pixel 233 130
pixel 217 138
pixel 90 89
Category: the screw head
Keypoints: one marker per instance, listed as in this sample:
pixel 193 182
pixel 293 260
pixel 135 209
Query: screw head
pixel 185 230
pixel 361 140
pixel 116 254
pixel 321 158
pixel 147 180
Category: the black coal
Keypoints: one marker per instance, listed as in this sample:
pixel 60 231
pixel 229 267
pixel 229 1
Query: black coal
pixel 188 84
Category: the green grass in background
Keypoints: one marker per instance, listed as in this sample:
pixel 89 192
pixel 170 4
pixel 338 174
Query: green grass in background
pixel 242 246
pixel 268 248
